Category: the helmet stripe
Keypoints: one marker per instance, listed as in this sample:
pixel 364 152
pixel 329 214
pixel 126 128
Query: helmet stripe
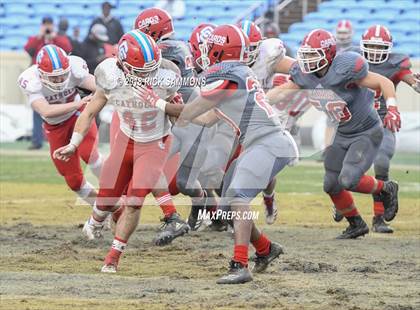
pixel 147 52
pixel 377 30
pixel 147 40
pixel 246 27
pixel 52 53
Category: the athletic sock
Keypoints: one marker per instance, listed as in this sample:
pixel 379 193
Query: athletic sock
pixel 240 254
pixel 166 204
pixel 369 185
pixel 262 245
pixel 117 248
pixel 378 208
pixel 344 204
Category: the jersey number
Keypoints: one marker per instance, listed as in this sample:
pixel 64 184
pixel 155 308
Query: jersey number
pixel 261 100
pixel 147 121
pixel 336 110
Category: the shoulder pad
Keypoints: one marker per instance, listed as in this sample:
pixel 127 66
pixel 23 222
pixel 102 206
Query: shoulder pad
pixel 29 80
pixel 169 65
pixel 272 48
pixel 399 60
pixel 168 83
pixel 79 68
pixel 271 51
pixel 108 76
pixel 350 66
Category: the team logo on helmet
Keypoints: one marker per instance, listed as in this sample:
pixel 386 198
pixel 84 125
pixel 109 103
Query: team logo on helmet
pixel 205 33
pixel 217 39
pixel 153 20
pixel 122 50
pixel 327 43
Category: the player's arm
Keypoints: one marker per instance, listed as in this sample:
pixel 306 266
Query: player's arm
pixel 82 125
pixel 284 65
pixel 280 93
pixel 375 81
pixel 413 80
pixel 89 83
pixel 47 110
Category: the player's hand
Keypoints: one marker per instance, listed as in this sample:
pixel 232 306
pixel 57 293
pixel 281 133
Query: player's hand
pixel 65 152
pixel 177 99
pixel 416 85
pixel 147 95
pixel 392 119
pixel 84 100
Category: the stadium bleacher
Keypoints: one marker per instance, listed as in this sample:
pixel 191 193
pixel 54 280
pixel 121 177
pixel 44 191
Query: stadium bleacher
pixel 21 18
pixel 402 17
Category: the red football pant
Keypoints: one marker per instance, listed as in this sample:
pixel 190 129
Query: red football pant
pixel 139 165
pixel 60 135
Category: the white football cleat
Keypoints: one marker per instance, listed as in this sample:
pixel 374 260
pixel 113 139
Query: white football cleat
pixel 270 210
pixel 109 269
pixel 92 231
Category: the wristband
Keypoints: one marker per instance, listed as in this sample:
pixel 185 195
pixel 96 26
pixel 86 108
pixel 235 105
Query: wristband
pixel 391 102
pixel 161 104
pixel 76 139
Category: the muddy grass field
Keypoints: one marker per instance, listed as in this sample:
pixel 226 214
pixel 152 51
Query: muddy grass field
pixel 46 264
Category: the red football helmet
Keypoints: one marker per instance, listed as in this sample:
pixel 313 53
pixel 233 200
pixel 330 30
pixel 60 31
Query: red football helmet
pixel 344 32
pixel 255 37
pixel 227 43
pixel 198 50
pixel 138 54
pixel 155 22
pixel 376 44
pixel 53 67
pixel 317 51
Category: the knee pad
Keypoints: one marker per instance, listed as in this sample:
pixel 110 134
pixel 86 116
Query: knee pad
pixel 349 178
pixel 74 181
pixel 331 185
pixel 381 164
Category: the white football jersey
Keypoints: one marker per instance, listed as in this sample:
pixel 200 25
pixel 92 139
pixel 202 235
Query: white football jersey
pixel 138 120
pixel 30 83
pixel 271 52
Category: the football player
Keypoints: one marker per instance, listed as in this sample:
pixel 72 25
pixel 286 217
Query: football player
pixel 376 48
pixel 51 87
pixel 340 84
pixel 267 59
pixel 190 141
pixel 232 93
pixel 344 35
pixel 141 145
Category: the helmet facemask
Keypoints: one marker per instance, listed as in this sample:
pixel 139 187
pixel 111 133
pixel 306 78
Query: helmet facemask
pixel 376 51
pixel 203 61
pixel 311 59
pixel 253 53
pixel 55 81
pixel 344 36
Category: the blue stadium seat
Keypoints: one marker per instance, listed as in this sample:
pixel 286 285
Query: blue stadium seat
pixel 336 4
pixel 14 42
pixel 318 17
pixel 46 8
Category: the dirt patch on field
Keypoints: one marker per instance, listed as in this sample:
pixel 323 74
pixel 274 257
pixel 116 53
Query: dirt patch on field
pixel 316 272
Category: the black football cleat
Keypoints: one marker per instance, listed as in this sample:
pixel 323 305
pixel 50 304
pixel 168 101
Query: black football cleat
pixel 172 227
pixel 337 216
pixel 262 262
pixel 389 197
pixel 357 228
pixel 237 274
pixel 193 221
pixel 379 225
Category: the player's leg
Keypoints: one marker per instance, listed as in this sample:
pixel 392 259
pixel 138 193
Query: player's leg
pixel 381 166
pixel 248 178
pixel 126 225
pixel 88 150
pixel 270 208
pixel 341 198
pixel 359 158
pixel 116 174
pixel 58 136
pixel 193 153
